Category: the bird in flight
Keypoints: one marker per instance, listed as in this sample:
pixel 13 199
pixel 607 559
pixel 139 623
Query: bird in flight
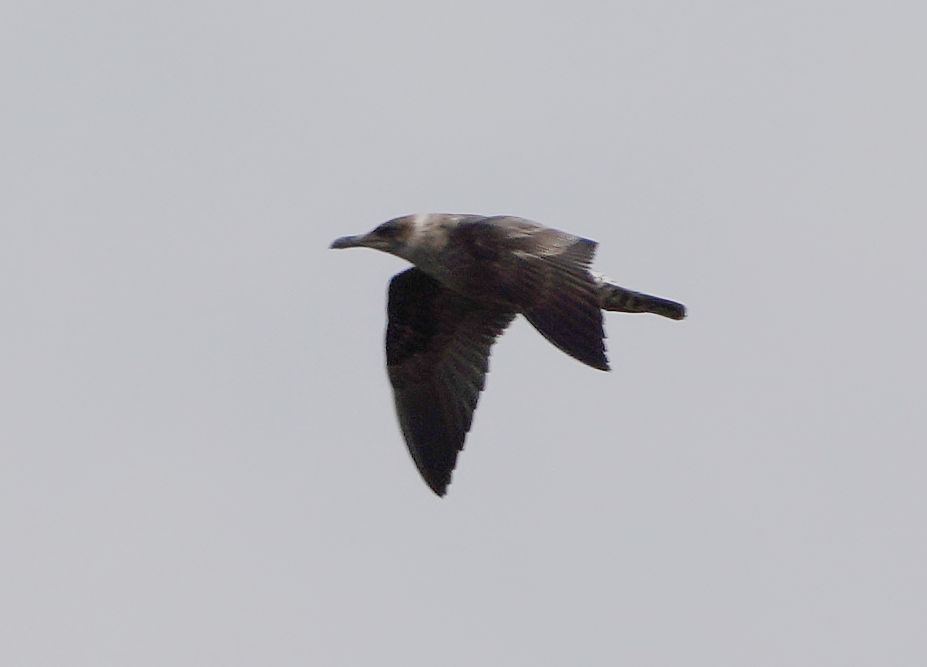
pixel 471 276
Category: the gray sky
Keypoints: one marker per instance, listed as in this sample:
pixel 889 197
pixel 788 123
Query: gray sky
pixel 200 464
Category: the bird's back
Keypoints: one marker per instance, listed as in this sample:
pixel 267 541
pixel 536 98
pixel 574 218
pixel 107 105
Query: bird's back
pixel 537 271
pixel 506 260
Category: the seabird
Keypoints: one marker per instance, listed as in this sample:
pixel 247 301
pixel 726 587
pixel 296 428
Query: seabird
pixel 472 275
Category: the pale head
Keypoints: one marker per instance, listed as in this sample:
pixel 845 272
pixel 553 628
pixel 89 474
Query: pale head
pixel 387 237
pixel 412 237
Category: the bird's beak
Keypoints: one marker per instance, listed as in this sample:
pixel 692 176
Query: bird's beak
pixel 358 241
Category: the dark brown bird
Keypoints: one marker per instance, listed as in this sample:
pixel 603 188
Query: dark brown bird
pixel 472 276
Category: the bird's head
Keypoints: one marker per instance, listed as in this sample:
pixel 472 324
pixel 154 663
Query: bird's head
pixel 393 236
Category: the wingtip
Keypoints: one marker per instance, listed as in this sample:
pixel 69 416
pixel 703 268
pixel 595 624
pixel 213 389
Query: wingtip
pixel 436 480
pixel 596 360
pixel 438 488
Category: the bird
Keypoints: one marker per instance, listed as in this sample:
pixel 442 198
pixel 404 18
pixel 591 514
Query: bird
pixel 471 276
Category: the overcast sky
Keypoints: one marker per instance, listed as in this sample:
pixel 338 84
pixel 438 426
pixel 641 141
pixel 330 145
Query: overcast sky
pixel 200 464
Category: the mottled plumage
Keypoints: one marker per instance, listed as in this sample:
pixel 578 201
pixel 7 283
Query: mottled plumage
pixel 472 276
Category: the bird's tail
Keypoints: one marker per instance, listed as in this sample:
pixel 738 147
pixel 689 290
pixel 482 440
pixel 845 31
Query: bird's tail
pixel 613 297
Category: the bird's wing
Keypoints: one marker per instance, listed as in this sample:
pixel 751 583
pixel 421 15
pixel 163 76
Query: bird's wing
pixel 437 356
pixel 550 279
pixel 566 308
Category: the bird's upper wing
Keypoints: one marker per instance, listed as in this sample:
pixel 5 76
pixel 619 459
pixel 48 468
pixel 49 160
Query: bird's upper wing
pixel 437 356
pixel 547 275
pixel 566 310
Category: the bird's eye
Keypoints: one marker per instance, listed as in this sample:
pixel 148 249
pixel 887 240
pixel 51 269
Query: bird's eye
pixel 387 231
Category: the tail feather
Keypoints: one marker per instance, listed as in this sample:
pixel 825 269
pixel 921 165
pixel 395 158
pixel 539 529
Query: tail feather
pixel 613 297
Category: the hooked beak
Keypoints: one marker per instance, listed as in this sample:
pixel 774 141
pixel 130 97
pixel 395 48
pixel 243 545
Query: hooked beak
pixel 357 241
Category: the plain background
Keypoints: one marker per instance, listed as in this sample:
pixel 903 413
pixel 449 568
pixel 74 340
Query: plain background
pixel 200 464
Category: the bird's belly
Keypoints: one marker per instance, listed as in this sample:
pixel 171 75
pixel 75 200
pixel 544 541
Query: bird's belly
pixel 488 286
pixel 504 284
